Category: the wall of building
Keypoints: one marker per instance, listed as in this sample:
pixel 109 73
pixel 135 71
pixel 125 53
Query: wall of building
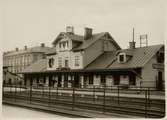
pixel 149 78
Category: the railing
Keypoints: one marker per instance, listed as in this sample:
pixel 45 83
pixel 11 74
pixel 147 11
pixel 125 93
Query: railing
pixel 141 102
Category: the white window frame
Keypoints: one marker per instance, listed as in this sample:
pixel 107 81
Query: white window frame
pixel 124 57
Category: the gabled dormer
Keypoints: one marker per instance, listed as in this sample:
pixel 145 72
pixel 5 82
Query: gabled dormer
pixel 68 40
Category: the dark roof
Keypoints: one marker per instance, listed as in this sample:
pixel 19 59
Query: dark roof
pixel 92 40
pixel 38 66
pixel 84 43
pixel 140 56
pixel 52 51
pixel 102 61
pixel 107 61
pixel 38 49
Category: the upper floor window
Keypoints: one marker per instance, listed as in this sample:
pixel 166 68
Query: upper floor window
pixel 60 62
pixel 51 62
pixel 66 62
pixel 63 45
pixel 122 58
pixel 76 60
pixel 160 57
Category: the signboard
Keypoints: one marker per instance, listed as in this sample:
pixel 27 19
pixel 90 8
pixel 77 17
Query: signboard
pixel 158 66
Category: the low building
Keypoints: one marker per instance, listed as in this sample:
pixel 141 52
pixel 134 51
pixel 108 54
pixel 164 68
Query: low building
pixel 97 60
pixel 20 59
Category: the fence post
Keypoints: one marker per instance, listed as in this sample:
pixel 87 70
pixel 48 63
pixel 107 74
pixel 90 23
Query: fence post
pixel 149 97
pixel 104 100
pixel 20 88
pixel 118 95
pixel 73 98
pixel 146 103
pixel 15 92
pixel 57 92
pixel 43 91
pixel 30 93
pixel 93 93
pixel 49 96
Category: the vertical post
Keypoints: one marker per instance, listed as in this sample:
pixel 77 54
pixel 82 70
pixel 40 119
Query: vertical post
pixel 20 88
pixel 145 103
pixel 49 96
pixel 57 92
pixel 118 95
pixel 149 97
pixel 93 93
pixel 30 93
pixel 73 98
pixel 15 92
pixel 104 100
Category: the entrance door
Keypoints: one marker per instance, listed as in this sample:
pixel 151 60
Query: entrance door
pixel 160 81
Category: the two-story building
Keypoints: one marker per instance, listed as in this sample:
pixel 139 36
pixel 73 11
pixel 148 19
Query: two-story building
pixel 97 60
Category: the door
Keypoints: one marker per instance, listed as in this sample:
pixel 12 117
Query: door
pixel 160 81
pixel 76 80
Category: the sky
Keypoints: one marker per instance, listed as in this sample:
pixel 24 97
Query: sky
pixel 32 22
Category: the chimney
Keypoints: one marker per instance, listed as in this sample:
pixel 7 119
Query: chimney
pixel 70 29
pixel 132 44
pixel 17 49
pixel 42 44
pixel 25 47
pixel 88 33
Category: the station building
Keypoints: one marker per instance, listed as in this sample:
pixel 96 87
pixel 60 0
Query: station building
pixel 97 60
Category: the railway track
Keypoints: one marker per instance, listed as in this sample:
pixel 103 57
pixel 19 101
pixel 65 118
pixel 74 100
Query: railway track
pixel 156 110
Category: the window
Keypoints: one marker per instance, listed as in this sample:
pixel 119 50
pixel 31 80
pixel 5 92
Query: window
pixel 76 60
pixel 66 63
pixel 59 45
pixel 160 57
pixel 51 62
pixel 60 62
pixel 122 58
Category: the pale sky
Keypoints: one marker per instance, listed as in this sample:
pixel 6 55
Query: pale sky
pixel 31 22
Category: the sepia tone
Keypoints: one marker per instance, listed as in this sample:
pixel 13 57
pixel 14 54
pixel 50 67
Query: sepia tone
pixel 90 74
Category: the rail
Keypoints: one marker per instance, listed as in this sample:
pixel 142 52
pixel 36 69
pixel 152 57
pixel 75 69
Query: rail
pixel 145 102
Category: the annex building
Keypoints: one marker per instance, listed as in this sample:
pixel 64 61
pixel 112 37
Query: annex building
pixel 17 60
pixel 97 60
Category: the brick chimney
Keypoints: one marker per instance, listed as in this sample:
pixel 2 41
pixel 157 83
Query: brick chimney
pixel 132 44
pixel 25 47
pixel 17 49
pixel 88 33
pixel 42 44
pixel 70 29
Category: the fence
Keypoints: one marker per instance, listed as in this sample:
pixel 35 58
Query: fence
pixel 135 101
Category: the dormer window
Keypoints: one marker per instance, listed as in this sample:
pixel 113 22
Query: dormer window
pixel 122 58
